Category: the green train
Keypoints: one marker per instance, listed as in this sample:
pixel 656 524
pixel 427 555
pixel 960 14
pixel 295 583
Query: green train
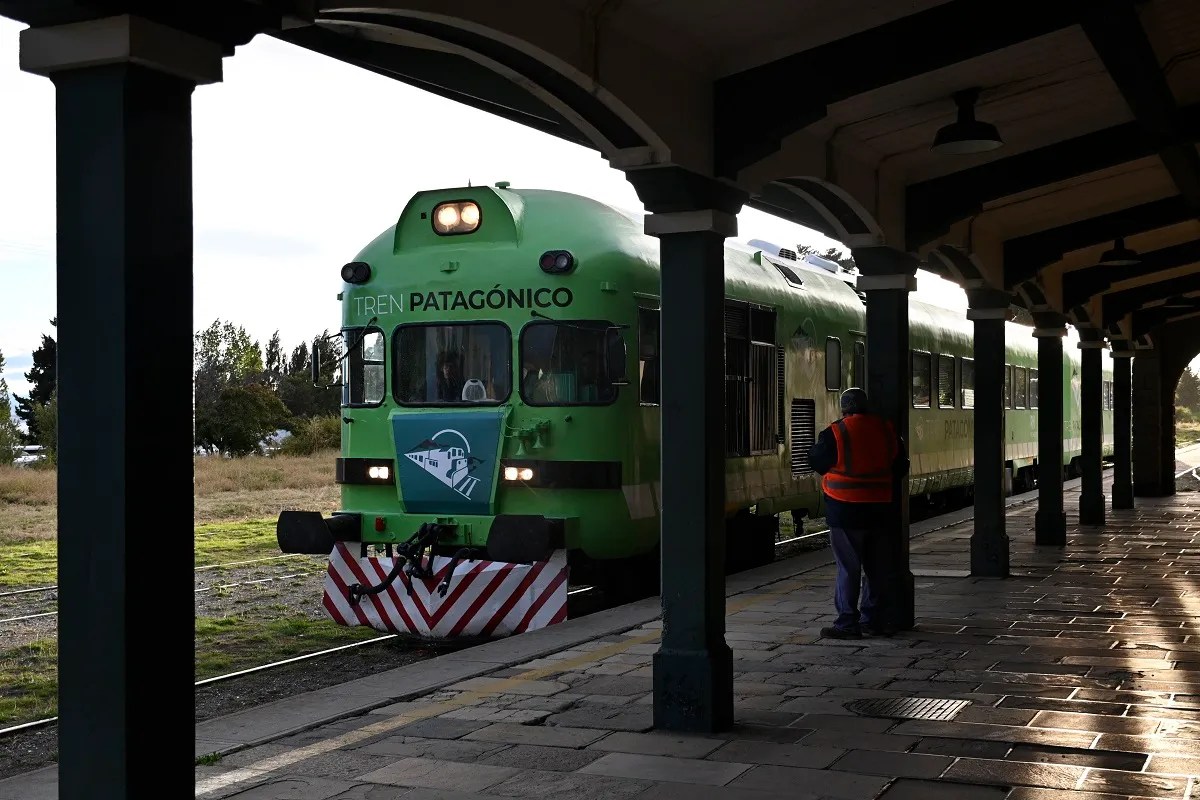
pixel 500 384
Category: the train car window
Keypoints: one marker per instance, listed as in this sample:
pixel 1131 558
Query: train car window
pixel 1033 388
pixel 833 364
pixel 1008 385
pixel 453 365
pixel 945 381
pixel 365 383
pixel 1019 387
pixel 922 375
pixel 967 383
pixel 858 367
pixel 648 364
pixel 565 363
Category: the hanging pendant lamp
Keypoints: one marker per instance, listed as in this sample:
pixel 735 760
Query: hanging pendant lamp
pixel 966 135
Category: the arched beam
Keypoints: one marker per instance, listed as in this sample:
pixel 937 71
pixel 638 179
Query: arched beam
pixel 607 124
pixel 823 206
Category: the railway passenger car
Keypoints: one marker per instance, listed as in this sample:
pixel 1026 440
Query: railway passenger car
pixel 501 391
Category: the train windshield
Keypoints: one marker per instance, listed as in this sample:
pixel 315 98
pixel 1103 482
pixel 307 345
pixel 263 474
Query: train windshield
pixel 452 365
pixel 568 363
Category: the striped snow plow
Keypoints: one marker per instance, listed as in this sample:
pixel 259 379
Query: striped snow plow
pixel 479 598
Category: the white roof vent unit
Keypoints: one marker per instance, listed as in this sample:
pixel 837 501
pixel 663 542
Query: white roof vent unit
pixel 773 249
pixel 823 263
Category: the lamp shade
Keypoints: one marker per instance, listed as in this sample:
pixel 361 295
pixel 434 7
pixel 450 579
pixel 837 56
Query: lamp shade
pixel 966 134
pixel 1120 255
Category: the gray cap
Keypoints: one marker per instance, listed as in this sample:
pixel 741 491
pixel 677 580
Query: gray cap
pixel 854 401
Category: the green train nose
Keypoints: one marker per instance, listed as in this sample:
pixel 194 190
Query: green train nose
pixel 447 462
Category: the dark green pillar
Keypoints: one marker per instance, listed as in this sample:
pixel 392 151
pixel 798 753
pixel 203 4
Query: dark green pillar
pixel 1152 427
pixel 126 700
pixel 693 668
pixel 1050 521
pixel 989 310
pixel 1091 430
pixel 1122 492
pixel 888 278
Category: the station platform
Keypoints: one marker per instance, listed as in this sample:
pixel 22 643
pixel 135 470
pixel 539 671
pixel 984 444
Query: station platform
pixel 1077 677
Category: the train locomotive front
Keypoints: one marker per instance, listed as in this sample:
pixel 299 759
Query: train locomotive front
pixel 488 344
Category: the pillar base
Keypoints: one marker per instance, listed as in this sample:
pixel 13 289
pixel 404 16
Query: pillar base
pixel 1050 528
pixel 904 614
pixel 1122 496
pixel 989 554
pixel 693 689
pixel 1091 510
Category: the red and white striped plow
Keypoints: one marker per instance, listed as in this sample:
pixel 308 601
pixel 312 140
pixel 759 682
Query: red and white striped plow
pixel 486 598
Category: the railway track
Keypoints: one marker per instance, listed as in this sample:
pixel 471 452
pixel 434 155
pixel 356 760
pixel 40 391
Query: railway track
pixel 577 592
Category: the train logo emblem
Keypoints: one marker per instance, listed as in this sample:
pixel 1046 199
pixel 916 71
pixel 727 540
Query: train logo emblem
pixel 449 463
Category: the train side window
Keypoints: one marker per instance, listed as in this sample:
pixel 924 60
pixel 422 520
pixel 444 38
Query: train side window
pixel 1008 386
pixel 1033 388
pixel 858 367
pixel 922 374
pixel 648 343
pixel 945 381
pixel 967 383
pixel 1020 391
pixel 833 364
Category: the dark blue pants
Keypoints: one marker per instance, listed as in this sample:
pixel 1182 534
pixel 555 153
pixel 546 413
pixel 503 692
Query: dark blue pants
pixel 860 554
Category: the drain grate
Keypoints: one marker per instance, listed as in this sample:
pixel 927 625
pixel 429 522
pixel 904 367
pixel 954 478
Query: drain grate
pixel 909 708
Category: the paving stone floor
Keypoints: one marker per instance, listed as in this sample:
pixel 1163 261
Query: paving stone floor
pixel 1081 674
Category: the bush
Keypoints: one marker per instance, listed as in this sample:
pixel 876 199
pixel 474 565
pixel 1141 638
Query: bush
pixel 312 435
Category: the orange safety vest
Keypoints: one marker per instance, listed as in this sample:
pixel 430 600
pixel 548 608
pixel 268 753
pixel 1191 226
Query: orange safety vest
pixel 867 447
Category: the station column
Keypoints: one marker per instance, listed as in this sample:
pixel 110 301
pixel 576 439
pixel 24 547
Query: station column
pixel 1091 426
pixel 693 669
pixel 989 310
pixel 1050 521
pixel 124 188
pixel 1122 492
pixel 887 278
pixel 1153 402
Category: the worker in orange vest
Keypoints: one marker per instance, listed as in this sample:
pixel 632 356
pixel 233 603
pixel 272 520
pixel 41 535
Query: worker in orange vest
pixel 860 458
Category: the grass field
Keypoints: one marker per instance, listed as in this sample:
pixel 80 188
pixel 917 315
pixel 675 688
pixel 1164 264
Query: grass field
pixel 236 505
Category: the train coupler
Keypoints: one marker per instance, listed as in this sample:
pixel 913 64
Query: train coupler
pixel 409 558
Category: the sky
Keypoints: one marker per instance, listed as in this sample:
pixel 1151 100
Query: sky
pixel 299 161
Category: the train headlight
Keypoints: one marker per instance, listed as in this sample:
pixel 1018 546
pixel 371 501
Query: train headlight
pixel 518 474
pixel 379 473
pixel 456 217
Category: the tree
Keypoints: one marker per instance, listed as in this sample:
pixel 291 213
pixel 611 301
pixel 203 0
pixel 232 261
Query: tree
pixel 246 415
pixel 299 362
pixel 274 360
pixel 1187 391
pixel 296 390
pixel 47 421
pixel 10 434
pixel 224 357
pixel 43 381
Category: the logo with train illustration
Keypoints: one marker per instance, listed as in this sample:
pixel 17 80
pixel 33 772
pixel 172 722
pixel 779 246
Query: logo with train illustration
pixel 442 457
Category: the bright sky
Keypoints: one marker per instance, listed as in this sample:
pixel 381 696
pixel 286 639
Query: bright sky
pixel 299 161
